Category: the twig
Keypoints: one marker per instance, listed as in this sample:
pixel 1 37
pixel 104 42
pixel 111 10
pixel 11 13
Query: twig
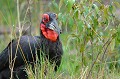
pixel 109 41
pixel 92 65
pixel 29 13
pixel 106 49
pixel 18 15
pixel 12 61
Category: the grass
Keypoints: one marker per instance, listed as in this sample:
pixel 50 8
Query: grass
pixel 71 66
pixel 81 45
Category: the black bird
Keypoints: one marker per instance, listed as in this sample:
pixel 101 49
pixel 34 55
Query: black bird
pixel 23 50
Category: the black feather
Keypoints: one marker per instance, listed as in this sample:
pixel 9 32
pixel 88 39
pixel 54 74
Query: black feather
pixel 24 50
pixel 26 53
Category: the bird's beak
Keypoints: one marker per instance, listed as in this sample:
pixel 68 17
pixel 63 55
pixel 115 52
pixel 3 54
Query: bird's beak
pixel 54 26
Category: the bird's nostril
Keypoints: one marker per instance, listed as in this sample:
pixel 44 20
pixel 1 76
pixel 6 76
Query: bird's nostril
pixel 60 31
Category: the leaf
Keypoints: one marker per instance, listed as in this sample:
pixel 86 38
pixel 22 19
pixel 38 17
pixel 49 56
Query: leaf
pixel 55 5
pixel 80 26
pixel 89 26
pixel 69 4
pixel 95 7
pixel 118 34
pixel 117 4
pixel 71 21
pixel 60 3
pixel 95 21
pixel 86 10
pixel 112 45
pixel 106 12
pixel 60 16
pixel 75 14
pixel 82 48
pixel 110 8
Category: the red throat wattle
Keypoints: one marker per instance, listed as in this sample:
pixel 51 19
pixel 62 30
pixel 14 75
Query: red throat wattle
pixel 48 33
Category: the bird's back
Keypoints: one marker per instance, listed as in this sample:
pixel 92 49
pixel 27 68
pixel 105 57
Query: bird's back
pixel 21 50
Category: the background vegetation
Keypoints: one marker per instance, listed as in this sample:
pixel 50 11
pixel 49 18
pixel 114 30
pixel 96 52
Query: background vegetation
pixel 91 35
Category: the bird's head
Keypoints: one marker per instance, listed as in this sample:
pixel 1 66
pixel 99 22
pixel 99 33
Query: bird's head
pixel 49 26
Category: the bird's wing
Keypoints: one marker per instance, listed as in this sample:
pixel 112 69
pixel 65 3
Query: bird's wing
pixel 19 51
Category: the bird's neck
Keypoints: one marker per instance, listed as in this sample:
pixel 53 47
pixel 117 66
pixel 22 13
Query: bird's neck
pixel 46 39
pixel 48 33
pixel 48 45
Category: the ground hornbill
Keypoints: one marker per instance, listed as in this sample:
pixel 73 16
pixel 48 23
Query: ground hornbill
pixel 23 51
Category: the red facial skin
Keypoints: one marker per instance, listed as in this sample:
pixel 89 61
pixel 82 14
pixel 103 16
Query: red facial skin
pixel 48 33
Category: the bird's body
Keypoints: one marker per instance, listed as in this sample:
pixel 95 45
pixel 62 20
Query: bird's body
pixel 24 50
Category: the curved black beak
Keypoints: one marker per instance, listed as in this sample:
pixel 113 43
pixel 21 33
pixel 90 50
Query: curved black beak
pixel 53 25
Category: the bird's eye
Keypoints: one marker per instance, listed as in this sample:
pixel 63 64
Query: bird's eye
pixel 56 16
pixel 45 18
